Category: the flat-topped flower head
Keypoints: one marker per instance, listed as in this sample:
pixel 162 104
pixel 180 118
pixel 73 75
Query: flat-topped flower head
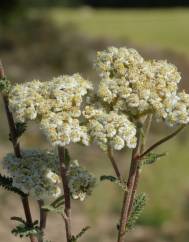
pixel 36 173
pixel 56 104
pixel 137 87
pixel 61 129
pixel 179 111
pixel 110 129
pixel 80 181
pixel 26 99
pixel 114 62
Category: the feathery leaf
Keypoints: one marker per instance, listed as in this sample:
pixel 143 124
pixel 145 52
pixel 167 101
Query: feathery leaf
pixel 55 206
pixel 115 180
pixel 138 206
pixel 6 183
pixel 23 230
pixel 151 158
pixel 76 237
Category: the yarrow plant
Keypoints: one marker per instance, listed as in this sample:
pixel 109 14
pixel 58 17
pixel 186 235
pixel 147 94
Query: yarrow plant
pixel 80 181
pixel 35 173
pixel 56 106
pixel 132 92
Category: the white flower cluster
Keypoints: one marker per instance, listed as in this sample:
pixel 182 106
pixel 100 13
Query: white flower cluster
pixel 36 173
pixel 110 129
pixel 180 110
pixel 80 181
pixel 130 88
pixel 136 87
pixel 56 104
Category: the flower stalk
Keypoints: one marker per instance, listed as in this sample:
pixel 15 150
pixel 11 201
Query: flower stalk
pixel 134 175
pixel 63 173
pixel 43 218
pixel 114 164
pixel 16 146
pixel 128 193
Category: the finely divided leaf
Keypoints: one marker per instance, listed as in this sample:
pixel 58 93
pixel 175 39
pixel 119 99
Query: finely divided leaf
pixel 151 158
pixel 138 206
pixel 6 183
pixel 55 206
pixel 23 230
pixel 76 237
pixel 117 181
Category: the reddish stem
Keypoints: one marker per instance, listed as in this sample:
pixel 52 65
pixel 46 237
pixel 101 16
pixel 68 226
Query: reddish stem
pixel 63 172
pixel 128 193
pixel 17 152
pixel 116 169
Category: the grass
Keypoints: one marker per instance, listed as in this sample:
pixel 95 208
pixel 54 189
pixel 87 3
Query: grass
pixel 162 28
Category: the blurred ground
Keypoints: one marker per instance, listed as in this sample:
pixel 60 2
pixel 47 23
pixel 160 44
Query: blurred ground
pixel 46 43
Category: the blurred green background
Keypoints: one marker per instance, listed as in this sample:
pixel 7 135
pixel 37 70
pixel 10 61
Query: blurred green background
pixel 39 41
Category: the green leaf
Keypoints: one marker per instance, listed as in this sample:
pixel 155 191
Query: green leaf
pixel 58 202
pixel 76 237
pixel 18 219
pixel 6 183
pixel 24 230
pixel 138 206
pixel 121 184
pixel 50 208
pixel 152 158
pixel 5 85
pixel 20 129
pixel 55 206
pixel 108 178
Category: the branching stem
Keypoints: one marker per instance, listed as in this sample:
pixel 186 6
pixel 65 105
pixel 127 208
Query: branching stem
pixel 16 146
pixel 143 143
pixel 134 178
pixel 128 193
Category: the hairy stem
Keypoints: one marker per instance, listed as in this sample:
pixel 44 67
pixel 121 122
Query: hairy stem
pixel 143 143
pixel 128 193
pixel 147 151
pixel 134 177
pixel 16 146
pixel 63 173
pixel 116 169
